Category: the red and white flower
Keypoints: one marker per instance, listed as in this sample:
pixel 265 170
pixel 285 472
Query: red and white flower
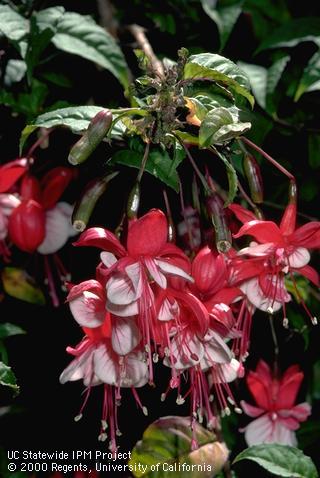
pixel 276 416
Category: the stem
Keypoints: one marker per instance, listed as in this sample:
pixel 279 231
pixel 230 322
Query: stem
pixel 275 344
pixel 268 157
pixel 139 34
pixel 245 196
pixel 195 167
pixel 143 162
pixel 39 141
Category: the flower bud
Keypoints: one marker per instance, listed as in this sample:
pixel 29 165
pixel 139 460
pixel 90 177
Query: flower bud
pixel 97 129
pixel 54 184
pixel 27 225
pixel 30 188
pixel 83 209
pixel 253 174
pixel 133 202
pixel 217 213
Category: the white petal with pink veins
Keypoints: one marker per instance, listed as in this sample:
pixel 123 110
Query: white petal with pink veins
pixel 108 259
pixel 88 310
pixel 169 268
pixel 135 275
pixel 106 365
pixel 229 371
pixel 168 310
pixel 80 368
pixel 184 353
pixel 155 273
pixel 135 371
pixel 252 290
pixel 57 231
pixel 120 290
pixel 257 250
pixel 125 336
pixel 216 351
pixel 299 258
pixel 251 410
pixel 127 310
pixel 283 435
pixel 259 431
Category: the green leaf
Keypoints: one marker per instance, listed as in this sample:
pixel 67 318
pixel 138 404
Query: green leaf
pixel 7 378
pixel 310 80
pixel 264 81
pixel 225 17
pixel 15 71
pixel 292 33
pixel 314 150
pixel 159 164
pixel 187 138
pixel 8 330
pixel 57 79
pixel 222 70
pixel 80 35
pixel 220 126
pixel 316 381
pixel 48 19
pixel 17 283
pixel 281 460
pixel 77 118
pixel 12 25
pixel 167 441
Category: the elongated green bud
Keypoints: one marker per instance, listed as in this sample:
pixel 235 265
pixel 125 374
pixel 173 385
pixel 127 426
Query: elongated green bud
pixel 253 174
pixel 85 206
pixel 97 129
pixel 133 201
pixel 217 213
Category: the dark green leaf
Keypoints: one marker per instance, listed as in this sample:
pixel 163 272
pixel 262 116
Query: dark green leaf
pixel 7 330
pixel 57 79
pixel 167 441
pixel 281 460
pixel 310 80
pixel 48 19
pixel 15 71
pixel 80 35
pixel 225 17
pixel 17 283
pixel 222 70
pixel 220 126
pixel 159 164
pixel 12 25
pixel 292 33
pixel 7 378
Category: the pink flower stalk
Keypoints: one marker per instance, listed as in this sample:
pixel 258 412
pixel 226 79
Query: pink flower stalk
pixel 276 416
pixel 109 354
pixel 279 250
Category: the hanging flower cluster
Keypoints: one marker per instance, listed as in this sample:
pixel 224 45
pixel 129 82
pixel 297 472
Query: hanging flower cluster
pixel 149 302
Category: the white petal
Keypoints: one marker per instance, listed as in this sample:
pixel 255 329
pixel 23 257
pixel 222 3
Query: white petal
pixel 230 371
pixel 283 435
pixel 168 310
pixel 108 259
pixel 259 431
pixel 252 290
pixel 127 310
pixel 155 273
pixel 257 250
pixel 120 290
pixel 57 231
pixel 105 365
pixel 67 210
pixel 125 336
pixel 168 268
pixel 299 258
pixel 136 371
pixel 186 353
pixel 216 351
pixel 134 274
pixel 88 310
pixel 77 368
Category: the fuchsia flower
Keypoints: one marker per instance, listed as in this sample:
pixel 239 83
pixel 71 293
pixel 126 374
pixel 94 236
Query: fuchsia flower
pixel 279 251
pixel 277 417
pixel 8 203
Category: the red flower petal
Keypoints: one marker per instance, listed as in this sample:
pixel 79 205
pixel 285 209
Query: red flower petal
pixel 27 225
pixel 307 236
pixel 260 390
pixel 53 185
pixel 289 387
pixel 101 238
pixel 147 236
pixel 242 214
pixel 262 231
pixel 9 176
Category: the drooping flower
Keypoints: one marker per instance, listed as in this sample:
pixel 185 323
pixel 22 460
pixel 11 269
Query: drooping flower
pixel 276 416
pixel 8 203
